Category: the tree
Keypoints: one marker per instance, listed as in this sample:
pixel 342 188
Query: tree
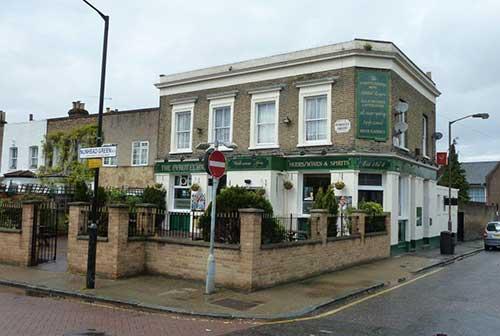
pixel 458 179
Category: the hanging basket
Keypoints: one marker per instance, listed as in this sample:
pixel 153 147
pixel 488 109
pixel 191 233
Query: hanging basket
pixel 195 187
pixel 288 185
pixel 339 185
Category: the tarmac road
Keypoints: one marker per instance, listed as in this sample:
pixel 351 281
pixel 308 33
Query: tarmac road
pixel 461 299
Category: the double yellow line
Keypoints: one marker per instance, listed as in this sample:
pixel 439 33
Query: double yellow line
pixel 351 304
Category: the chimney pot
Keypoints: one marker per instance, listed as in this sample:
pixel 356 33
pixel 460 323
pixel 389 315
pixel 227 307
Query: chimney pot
pixel 31 117
pixel 429 74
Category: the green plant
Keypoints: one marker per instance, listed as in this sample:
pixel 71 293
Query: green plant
pixel 319 199
pixel 195 187
pixel 155 195
pixel 458 178
pixel 260 191
pixel 116 196
pixel 371 208
pixel 81 192
pixel 288 185
pixel 367 46
pixel 339 185
pixel 330 201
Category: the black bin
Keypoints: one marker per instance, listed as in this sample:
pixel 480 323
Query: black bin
pixel 447 242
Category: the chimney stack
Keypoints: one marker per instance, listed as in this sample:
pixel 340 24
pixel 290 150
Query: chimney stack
pixel 31 117
pixel 429 74
pixel 78 110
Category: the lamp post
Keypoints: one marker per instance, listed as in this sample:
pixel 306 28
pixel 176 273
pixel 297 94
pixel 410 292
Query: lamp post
pixel 91 258
pixel 210 276
pixel 477 115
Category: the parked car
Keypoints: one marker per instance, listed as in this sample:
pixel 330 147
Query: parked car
pixel 491 235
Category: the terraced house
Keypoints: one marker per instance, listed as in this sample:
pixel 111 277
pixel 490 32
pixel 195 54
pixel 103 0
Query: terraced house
pixel 360 112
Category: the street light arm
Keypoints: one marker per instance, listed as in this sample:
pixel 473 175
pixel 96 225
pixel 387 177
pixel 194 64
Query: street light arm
pixel 98 11
pixel 454 121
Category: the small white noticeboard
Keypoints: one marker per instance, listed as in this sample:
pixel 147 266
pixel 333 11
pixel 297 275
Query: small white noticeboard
pixel 97 152
pixel 342 126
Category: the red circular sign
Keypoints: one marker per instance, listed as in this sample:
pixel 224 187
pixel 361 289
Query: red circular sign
pixel 217 164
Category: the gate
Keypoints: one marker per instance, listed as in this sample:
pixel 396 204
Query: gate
pixel 46 219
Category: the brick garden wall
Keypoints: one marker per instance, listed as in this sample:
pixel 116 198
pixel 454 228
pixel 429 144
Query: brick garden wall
pixel 476 216
pixel 245 266
pixel 16 244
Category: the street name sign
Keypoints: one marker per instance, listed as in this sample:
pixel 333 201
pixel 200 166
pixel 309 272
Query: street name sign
pixel 217 164
pixel 97 152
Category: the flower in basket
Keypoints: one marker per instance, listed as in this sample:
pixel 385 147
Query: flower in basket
pixel 195 187
pixel 288 185
pixel 339 185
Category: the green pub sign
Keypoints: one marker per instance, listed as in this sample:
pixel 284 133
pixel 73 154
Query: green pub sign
pixel 372 105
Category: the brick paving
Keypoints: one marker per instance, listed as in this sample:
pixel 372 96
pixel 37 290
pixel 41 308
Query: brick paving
pixel 21 314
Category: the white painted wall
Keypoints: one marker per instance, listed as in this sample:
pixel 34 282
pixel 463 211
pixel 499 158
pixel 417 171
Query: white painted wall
pixel 23 135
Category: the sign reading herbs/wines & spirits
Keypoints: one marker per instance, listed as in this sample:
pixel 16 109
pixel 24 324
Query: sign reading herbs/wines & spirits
pixel 372 105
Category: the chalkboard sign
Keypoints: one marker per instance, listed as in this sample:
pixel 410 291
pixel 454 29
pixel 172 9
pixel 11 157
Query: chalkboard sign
pixel 372 104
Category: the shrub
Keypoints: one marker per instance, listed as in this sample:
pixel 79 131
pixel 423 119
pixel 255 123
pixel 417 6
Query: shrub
pixel 81 192
pixel 155 195
pixel 330 201
pixel 371 208
pixel 319 199
pixel 116 196
pixel 233 198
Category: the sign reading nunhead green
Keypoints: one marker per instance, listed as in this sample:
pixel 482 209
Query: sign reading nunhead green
pixel 372 105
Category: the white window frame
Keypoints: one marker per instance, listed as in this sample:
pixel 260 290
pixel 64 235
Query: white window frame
pixel 306 91
pixel 259 98
pixel 425 125
pixel 106 160
pixel 179 108
pixel 13 161
pixel 31 158
pixel 174 187
pixel 402 136
pixel 141 143
pixel 221 102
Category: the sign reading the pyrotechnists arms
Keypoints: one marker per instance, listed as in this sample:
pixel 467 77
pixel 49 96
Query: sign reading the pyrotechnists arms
pixel 372 105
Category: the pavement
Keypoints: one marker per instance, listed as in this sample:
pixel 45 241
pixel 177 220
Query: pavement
pixel 460 300
pixel 299 298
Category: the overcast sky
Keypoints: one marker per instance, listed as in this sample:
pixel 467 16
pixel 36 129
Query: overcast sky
pixel 50 51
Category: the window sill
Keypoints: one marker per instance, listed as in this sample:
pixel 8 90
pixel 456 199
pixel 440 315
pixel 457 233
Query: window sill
pixel 109 166
pixel 426 157
pixel 403 148
pixel 181 152
pixel 329 143
pixel 264 147
pixel 139 165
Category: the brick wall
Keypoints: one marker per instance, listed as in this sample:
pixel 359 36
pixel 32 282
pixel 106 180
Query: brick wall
pixel 419 106
pixel 476 216
pixel 67 124
pixel 343 107
pixel 493 186
pixel 138 177
pixel 246 266
pixel 116 255
pixel 16 244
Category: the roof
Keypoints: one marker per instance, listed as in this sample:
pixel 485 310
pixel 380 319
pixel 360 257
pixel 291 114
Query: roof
pixel 378 49
pixel 476 172
pixel 20 173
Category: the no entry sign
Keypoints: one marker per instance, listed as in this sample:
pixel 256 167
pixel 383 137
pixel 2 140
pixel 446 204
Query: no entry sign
pixel 216 164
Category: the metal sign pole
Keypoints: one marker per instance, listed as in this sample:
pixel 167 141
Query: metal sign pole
pixel 210 282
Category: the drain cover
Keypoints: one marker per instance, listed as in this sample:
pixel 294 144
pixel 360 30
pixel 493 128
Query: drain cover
pixel 236 304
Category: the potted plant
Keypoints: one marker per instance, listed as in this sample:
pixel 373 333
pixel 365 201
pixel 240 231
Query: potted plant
pixel 195 187
pixel 288 185
pixel 339 185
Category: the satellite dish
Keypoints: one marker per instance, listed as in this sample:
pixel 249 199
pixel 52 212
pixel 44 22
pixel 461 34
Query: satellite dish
pixel 402 106
pixel 437 135
pixel 401 127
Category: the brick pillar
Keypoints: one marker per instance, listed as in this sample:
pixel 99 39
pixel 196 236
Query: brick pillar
pixel 146 218
pixel 77 250
pixel 28 217
pixel 319 225
pixel 358 223
pixel 250 243
pixel 117 240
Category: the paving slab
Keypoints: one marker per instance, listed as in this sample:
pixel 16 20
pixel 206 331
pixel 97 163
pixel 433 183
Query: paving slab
pixel 187 296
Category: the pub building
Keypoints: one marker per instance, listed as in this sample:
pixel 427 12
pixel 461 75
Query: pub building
pixel 359 112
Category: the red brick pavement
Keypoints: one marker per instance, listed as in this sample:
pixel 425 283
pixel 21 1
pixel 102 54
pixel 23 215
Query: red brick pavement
pixel 27 315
